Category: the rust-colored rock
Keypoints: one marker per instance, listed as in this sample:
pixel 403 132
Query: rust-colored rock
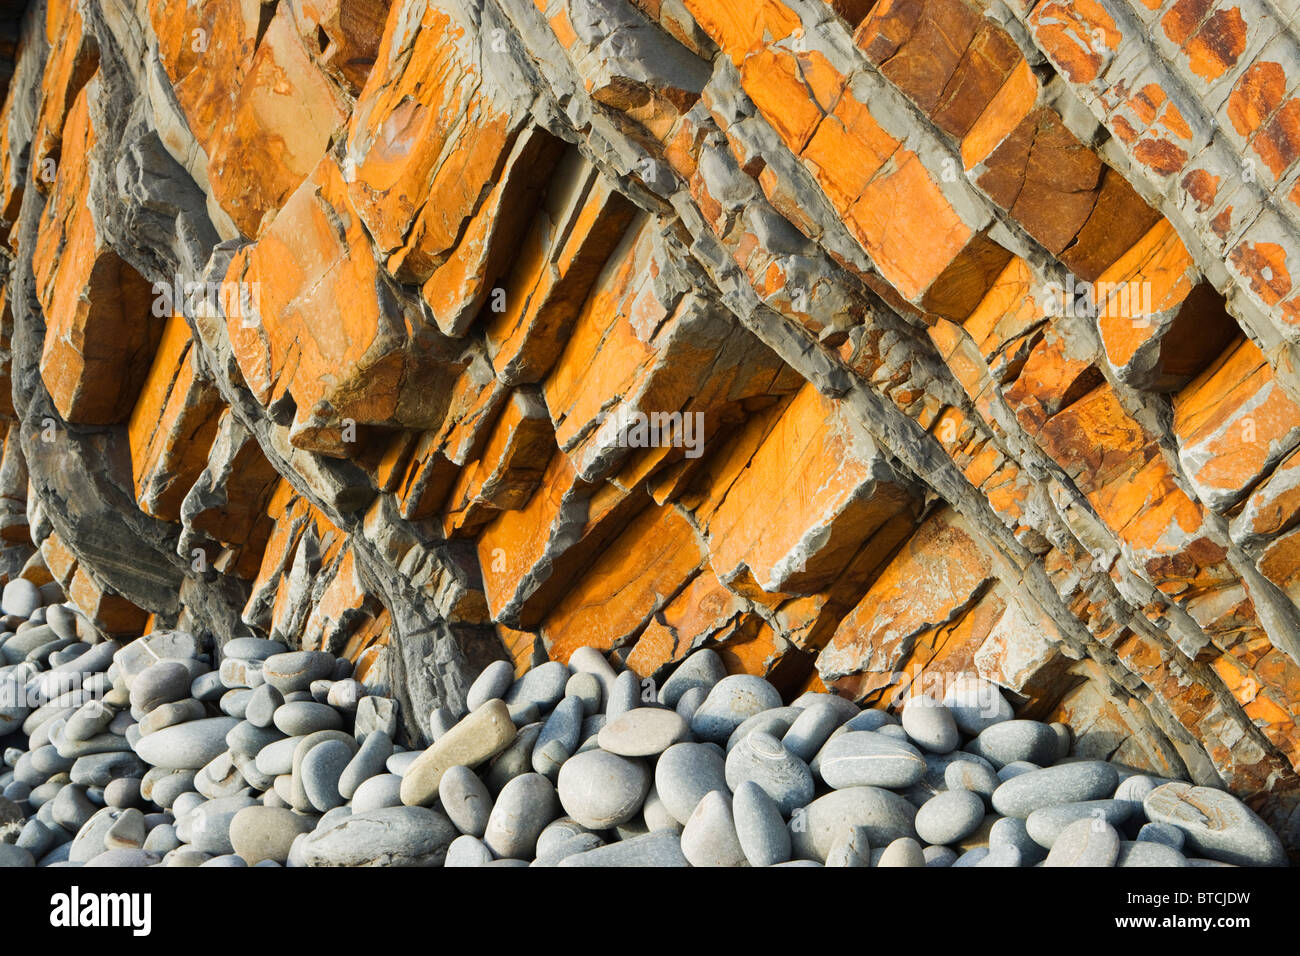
pixel 868 344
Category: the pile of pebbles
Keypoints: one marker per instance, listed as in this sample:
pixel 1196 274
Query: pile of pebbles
pixel 154 754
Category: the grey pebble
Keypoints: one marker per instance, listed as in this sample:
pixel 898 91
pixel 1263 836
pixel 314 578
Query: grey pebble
pixel 393 836
pixel 731 701
pixel 1046 824
pixel 267 833
pixel 587 688
pixel 869 758
pixel 1165 833
pixel 709 838
pixel 762 759
pixel 466 800
pixel 321 769
pixel 1065 783
pixel 684 773
pixel 776 722
pixel 760 828
pixel 660 848
pixel 949 817
pixel 851 849
pixel 492 682
pixel 1148 854
pixel 976 704
pixel 702 670
pixel 1012 831
pixel 295 670
pixel 810 730
pixel 1011 740
pixel 542 688
pixel 602 790
pixel 1215 824
pixel 515 759
pixel 939 856
pixel 522 810
pixel 467 850
pixel 690 702
pixel 903 852
pixel 370 760
pixel 374 793
pixel 815 828
pixel 1088 843
pixel 306 717
pixel 441 720
pixel 624 695
pixel 642 732
pixel 930 725
pixel 559 738
pixel 262 705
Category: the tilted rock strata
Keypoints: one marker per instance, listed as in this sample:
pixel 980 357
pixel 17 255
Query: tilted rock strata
pixel 343 323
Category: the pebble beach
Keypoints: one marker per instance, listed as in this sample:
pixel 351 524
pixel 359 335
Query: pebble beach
pixel 165 751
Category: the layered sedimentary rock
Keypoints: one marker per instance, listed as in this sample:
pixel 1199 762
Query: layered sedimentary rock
pixel 868 343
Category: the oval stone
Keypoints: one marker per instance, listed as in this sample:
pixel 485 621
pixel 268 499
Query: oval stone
pixel 709 837
pixel 814 725
pixel 602 790
pixel 930 725
pixel 478 737
pixel 302 717
pixel 730 703
pixel 659 848
pixel 321 768
pixel 393 836
pixel 252 649
pixel 816 827
pixel 761 759
pixel 1144 854
pixel 684 773
pixel 1215 824
pixel 1011 740
pixel 492 682
pixel 370 760
pixel 703 669
pixel 1065 783
pixel 160 683
pixel 466 801
pixel 382 790
pixel 976 704
pixel 760 828
pixel 260 833
pixel 949 817
pixel 1045 825
pixel 866 758
pixel 642 732
pixel 775 722
pixel 523 809
pixel 542 687
pixel 296 670
pixel 186 746
pixel 467 851
pixel 1085 843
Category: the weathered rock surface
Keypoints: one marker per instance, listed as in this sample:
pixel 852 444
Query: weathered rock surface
pixel 871 345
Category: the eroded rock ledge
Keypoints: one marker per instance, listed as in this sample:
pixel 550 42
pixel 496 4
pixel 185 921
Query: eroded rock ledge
pixel 346 323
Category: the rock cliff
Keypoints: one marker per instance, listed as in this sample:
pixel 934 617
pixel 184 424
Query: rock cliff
pixel 868 342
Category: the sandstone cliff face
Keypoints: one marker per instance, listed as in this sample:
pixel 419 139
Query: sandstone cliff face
pixel 866 342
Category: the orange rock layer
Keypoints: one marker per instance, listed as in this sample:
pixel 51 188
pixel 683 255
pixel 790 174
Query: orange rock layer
pixel 868 343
